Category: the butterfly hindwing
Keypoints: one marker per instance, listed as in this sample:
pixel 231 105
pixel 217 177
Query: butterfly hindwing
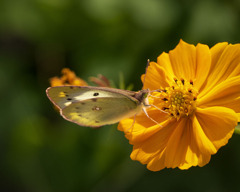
pixel 101 112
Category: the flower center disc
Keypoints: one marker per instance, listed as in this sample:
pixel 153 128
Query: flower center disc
pixel 179 100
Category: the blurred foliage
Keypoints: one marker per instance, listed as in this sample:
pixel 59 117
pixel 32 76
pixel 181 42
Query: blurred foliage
pixel 40 151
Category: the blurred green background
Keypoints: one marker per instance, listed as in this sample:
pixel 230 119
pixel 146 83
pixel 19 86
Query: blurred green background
pixel 40 151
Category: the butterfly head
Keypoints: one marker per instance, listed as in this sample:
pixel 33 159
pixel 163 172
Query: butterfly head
pixel 142 96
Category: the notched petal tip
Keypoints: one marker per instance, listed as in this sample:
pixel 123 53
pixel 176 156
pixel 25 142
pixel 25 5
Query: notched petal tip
pixel 218 124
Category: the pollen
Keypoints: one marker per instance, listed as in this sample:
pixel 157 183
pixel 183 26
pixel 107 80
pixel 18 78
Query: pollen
pixel 179 99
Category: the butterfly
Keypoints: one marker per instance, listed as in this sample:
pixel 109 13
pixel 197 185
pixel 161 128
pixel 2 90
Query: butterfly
pixel 97 106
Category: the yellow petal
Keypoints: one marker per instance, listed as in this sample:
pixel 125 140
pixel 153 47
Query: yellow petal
pixel 202 159
pixel 153 147
pixel 142 156
pixel 155 77
pixel 203 59
pixel 157 162
pixel 225 94
pixel 218 125
pixel 190 154
pixel 205 140
pixel 137 133
pixel 163 60
pixel 185 166
pixel 143 127
pixel 204 143
pixel 183 60
pixel 172 146
pixel 177 144
pixel 216 52
pixel 194 156
pixel 225 64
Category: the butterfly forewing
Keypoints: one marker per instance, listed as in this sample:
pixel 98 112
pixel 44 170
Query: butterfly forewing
pixel 63 96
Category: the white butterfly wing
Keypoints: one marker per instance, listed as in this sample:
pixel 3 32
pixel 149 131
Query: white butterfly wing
pixel 101 112
pixel 93 106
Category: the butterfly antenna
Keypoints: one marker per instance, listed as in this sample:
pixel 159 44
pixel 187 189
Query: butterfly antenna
pixel 134 119
pixel 148 61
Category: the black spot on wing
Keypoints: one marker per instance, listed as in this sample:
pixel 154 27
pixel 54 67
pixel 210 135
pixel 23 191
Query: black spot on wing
pixel 95 94
pixel 69 99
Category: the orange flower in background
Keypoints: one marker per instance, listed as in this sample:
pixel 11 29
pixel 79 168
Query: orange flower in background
pixel 200 105
pixel 68 78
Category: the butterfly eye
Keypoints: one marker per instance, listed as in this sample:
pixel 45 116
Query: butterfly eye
pixel 145 95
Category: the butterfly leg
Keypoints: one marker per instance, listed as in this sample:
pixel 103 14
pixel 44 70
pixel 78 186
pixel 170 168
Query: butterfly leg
pixel 158 108
pixel 134 119
pixel 145 111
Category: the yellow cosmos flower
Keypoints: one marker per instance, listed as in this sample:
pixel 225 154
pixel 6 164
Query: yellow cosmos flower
pixel 200 105
pixel 68 78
